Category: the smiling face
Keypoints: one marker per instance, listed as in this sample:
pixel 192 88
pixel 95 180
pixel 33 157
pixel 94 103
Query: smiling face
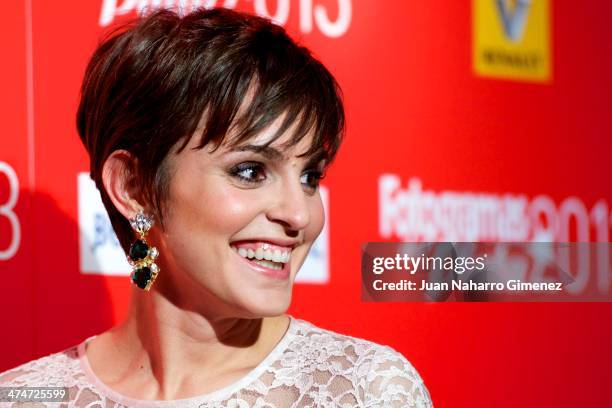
pixel 239 224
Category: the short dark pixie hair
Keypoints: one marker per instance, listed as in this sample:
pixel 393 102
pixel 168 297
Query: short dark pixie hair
pixel 148 85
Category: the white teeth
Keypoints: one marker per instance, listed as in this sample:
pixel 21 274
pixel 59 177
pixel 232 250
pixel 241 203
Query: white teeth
pixel 268 255
pixel 264 254
pixel 269 264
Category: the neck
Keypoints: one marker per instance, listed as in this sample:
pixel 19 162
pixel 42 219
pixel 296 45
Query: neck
pixel 174 349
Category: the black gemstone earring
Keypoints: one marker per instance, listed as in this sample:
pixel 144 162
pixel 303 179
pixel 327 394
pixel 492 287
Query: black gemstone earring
pixel 141 255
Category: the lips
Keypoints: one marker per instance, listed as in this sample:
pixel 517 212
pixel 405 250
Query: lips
pixel 274 243
pixel 263 251
pixel 278 274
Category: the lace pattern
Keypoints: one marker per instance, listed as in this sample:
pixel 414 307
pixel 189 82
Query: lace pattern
pixel 309 367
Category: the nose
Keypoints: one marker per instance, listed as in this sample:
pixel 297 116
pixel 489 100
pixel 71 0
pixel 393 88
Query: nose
pixel 290 207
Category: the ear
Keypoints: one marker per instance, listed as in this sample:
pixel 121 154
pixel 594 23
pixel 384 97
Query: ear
pixel 118 177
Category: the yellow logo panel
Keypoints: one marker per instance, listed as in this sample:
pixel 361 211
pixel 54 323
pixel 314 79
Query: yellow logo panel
pixel 511 39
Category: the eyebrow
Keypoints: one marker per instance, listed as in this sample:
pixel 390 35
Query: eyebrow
pixel 273 154
pixel 268 152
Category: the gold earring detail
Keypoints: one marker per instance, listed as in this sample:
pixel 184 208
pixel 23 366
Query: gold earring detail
pixel 142 255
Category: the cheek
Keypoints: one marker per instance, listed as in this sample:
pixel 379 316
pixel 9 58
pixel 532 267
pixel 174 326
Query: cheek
pixel 201 220
pixel 213 209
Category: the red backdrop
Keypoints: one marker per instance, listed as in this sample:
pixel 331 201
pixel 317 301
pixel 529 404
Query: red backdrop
pixel 416 108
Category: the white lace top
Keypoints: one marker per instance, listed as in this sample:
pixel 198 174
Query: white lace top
pixel 309 367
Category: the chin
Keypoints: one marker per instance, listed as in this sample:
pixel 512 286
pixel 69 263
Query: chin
pixel 264 304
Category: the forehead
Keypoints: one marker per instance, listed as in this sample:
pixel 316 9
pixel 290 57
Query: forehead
pixel 268 141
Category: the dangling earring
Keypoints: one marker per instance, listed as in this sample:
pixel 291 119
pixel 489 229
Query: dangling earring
pixel 141 255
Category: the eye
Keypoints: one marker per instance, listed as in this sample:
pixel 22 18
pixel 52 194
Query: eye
pixel 312 178
pixel 250 172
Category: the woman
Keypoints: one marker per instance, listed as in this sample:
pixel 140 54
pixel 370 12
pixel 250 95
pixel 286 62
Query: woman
pixel 208 135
